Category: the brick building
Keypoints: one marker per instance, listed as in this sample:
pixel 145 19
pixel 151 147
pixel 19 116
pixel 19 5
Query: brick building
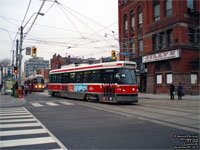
pixel 57 61
pixel 163 37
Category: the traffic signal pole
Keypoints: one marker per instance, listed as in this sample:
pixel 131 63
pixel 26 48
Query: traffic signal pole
pixel 20 55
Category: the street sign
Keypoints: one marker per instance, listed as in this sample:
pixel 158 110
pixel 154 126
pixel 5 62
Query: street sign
pixel 126 54
pixel 28 50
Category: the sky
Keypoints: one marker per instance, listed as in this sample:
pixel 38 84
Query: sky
pixel 79 28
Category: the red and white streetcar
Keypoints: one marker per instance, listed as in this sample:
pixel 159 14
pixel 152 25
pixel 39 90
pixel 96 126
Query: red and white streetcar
pixel 105 82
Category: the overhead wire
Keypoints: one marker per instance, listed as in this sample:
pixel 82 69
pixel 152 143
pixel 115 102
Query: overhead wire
pixel 26 12
pixel 34 19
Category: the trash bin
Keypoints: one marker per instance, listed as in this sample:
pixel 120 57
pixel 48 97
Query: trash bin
pixel 16 94
pixel 19 94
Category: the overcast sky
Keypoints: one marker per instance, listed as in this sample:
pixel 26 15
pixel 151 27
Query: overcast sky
pixel 69 27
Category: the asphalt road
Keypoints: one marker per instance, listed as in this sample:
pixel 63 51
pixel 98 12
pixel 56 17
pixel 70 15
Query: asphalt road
pixel 76 124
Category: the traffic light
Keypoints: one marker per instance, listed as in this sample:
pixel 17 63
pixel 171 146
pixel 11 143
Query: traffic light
pixel 34 51
pixel 113 55
pixel 15 70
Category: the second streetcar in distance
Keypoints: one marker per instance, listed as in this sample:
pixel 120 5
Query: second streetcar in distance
pixel 106 82
pixel 35 83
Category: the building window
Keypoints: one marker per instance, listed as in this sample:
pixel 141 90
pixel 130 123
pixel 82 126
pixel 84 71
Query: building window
pixel 194 78
pixel 168 78
pixel 126 46
pixel 190 4
pixel 156 11
pixel 125 1
pixel 169 38
pixel 159 79
pixel 133 48
pixel 140 47
pixel 140 22
pixel 198 37
pixel 155 39
pixel 132 21
pixel 191 36
pixel 125 25
pixel 162 40
pixel 168 7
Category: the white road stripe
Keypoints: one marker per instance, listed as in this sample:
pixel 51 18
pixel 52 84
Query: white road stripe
pixel 36 104
pixel 23 142
pixel 51 104
pixel 66 103
pixel 57 141
pixel 22 132
pixel 7 117
pixel 14 114
pixel 17 120
pixel 18 125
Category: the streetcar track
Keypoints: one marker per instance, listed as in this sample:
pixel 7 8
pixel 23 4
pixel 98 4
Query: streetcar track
pixel 149 106
pixel 128 114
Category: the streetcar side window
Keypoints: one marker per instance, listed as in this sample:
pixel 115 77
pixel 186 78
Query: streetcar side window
pixel 78 77
pixel 72 77
pixel 108 76
pixel 65 77
pixel 95 76
pixel 86 76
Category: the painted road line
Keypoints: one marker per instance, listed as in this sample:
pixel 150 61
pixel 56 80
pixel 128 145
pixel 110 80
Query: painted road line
pixel 55 139
pixel 24 116
pixel 24 142
pixel 51 104
pixel 66 103
pixel 22 132
pixel 17 120
pixel 19 125
pixel 36 104
pixel 13 114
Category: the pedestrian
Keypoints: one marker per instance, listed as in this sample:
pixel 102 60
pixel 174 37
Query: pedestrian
pixel 172 90
pixel 179 90
pixel 25 89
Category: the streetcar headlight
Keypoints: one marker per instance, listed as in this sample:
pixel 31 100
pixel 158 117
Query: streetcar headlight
pixel 35 86
pixel 39 86
pixel 133 89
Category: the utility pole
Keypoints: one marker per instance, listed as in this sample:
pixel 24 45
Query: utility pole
pixel 17 47
pixel 12 61
pixel 20 54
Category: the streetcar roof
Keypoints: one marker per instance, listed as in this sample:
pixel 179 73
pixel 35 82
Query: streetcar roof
pixel 116 64
pixel 34 76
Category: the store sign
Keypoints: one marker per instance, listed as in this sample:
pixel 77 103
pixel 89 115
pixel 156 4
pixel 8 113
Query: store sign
pixel 161 56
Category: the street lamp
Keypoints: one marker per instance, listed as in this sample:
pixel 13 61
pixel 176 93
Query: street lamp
pixel 21 41
pixel 41 14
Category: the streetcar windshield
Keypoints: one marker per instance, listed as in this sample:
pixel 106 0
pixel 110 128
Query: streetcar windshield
pixel 125 76
pixel 39 80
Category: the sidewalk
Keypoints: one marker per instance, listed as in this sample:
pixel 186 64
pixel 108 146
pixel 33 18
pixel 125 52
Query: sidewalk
pixel 166 96
pixel 9 101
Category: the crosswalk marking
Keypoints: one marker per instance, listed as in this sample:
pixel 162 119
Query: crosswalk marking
pixel 51 104
pixel 17 125
pixel 7 117
pixel 37 104
pixel 13 114
pixel 13 125
pixel 22 132
pixel 42 104
pixel 22 142
pixel 17 120
pixel 66 103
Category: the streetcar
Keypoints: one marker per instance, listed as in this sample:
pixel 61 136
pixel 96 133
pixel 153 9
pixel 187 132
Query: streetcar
pixel 35 83
pixel 113 82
